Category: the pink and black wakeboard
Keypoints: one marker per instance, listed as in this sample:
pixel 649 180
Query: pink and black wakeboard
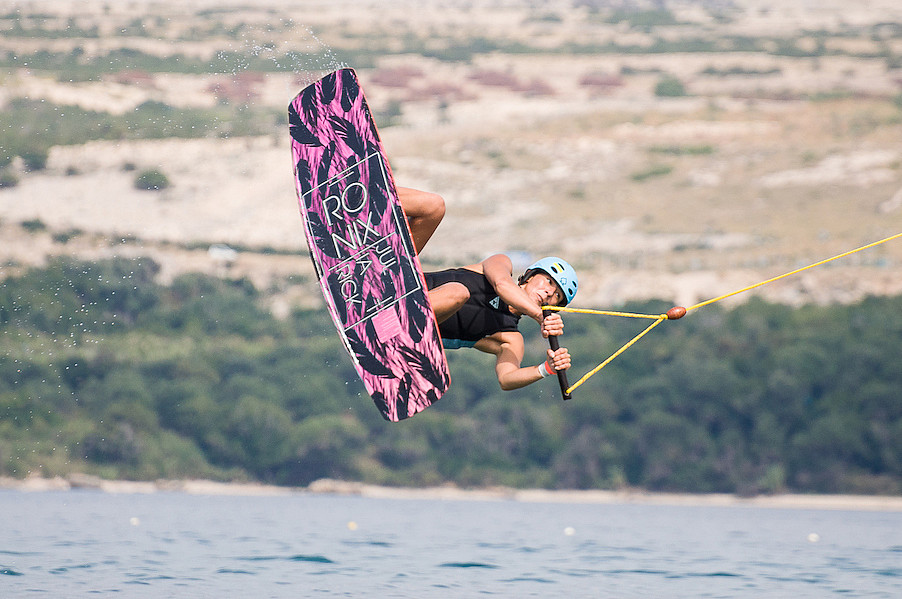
pixel 362 248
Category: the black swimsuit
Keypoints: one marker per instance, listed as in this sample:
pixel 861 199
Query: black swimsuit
pixel 482 315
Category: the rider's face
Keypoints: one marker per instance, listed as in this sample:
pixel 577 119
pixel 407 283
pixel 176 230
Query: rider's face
pixel 542 288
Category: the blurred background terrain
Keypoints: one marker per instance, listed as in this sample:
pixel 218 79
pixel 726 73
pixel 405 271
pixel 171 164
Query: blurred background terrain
pixel 671 151
pixel 674 149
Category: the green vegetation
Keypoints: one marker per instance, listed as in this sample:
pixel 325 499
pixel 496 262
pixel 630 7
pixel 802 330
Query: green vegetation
pixel 34 226
pixel 740 72
pixel 67 235
pixel 105 371
pixel 151 180
pixel 8 178
pixel 655 170
pixel 677 150
pixel 646 20
pixel 362 50
pixel 35 158
pixel 670 87
pixel 30 128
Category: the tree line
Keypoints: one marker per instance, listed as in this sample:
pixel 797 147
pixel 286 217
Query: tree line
pixel 106 371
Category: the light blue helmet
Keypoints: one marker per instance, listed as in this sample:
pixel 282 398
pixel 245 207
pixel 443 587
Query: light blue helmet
pixel 559 270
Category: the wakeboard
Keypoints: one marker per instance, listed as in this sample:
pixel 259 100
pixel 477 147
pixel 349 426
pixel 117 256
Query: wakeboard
pixel 362 249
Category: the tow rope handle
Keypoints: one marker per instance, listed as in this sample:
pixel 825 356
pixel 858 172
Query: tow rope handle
pixel 561 374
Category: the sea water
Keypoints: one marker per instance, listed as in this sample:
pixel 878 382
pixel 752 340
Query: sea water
pixel 167 544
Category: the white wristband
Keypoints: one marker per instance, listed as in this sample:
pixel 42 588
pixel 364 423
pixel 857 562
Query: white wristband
pixel 543 369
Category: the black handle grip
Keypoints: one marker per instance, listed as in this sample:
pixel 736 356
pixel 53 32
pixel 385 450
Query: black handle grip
pixel 561 374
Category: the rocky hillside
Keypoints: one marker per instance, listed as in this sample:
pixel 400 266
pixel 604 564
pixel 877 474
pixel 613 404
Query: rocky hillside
pixel 677 152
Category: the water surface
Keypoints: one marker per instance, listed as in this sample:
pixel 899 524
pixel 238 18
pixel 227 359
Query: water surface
pixel 89 544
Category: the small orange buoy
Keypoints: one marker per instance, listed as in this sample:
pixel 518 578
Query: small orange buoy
pixel 676 313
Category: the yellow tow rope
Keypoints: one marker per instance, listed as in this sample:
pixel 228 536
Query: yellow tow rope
pixel 678 312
